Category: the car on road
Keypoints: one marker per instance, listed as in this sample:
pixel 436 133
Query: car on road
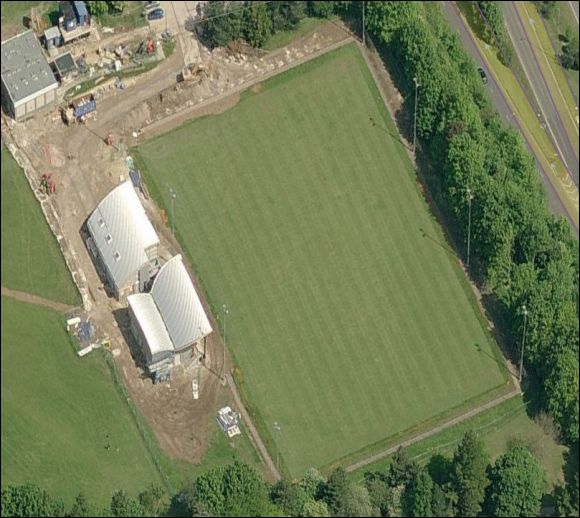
pixel 156 14
pixel 483 75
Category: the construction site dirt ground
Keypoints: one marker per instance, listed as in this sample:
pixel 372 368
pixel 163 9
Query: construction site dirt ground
pixel 86 169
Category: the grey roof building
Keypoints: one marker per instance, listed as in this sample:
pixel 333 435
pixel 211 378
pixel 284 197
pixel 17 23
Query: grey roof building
pixel 123 240
pixel 28 83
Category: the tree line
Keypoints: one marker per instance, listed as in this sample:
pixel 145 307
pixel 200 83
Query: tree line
pixel 255 22
pixel 465 484
pixel 522 255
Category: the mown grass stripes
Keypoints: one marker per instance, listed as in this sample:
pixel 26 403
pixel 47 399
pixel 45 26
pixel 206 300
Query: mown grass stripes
pixel 347 317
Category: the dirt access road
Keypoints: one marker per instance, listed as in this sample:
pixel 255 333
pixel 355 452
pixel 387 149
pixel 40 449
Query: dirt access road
pixel 24 296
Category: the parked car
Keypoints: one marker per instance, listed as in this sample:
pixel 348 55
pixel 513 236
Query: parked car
pixel 156 14
pixel 483 75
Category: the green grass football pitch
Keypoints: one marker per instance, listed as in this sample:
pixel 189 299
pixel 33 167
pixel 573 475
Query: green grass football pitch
pixel 31 258
pixel 349 317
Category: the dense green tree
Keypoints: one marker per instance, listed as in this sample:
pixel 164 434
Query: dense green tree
pixel 81 507
pixel 546 7
pixel 313 483
pixel 492 14
pixel 315 508
pixel 245 492
pixel 439 505
pixel 517 484
pixel 401 469
pixel 357 502
pixel 468 476
pixel 257 24
pixel 97 7
pixel 569 54
pixel 334 490
pixel 320 9
pixel 380 493
pixel 153 500
pixel 225 23
pixel 418 494
pixel 29 500
pixel 561 388
pixel 289 497
pixel 116 6
pixel 124 506
pixel 286 15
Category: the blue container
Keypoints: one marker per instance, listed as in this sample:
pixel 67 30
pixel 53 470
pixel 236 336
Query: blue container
pixel 84 106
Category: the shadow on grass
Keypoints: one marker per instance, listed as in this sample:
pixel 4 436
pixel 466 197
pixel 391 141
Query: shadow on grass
pixel 395 136
pixel 501 365
pixel 441 244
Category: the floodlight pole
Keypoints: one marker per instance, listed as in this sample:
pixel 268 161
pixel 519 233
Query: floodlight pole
pixel 469 198
pixel 525 311
pixel 277 429
pixel 226 312
pixel 415 116
pixel 173 195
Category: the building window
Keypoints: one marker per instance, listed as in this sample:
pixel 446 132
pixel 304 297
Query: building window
pixel 108 238
pixel 101 222
pixel 117 256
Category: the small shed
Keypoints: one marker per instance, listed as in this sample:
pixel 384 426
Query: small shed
pixel 82 15
pixel 52 38
pixel 66 67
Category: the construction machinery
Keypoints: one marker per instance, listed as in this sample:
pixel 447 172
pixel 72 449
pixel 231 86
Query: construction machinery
pixel 47 184
pixel 146 47
pixel 78 109
pixel 195 71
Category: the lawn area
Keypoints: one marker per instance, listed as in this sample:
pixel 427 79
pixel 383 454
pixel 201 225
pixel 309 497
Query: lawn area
pixel 31 257
pixel 57 411
pixel 498 427
pixel 130 18
pixel 349 317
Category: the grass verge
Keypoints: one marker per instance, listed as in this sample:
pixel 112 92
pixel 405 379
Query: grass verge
pixel 552 71
pixel 557 25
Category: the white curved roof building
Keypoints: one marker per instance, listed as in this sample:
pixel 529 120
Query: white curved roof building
pixel 170 319
pixel 179 304
pixel 123 237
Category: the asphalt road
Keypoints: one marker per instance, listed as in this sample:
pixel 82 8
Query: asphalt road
pixel 550 117
pixel 499 101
